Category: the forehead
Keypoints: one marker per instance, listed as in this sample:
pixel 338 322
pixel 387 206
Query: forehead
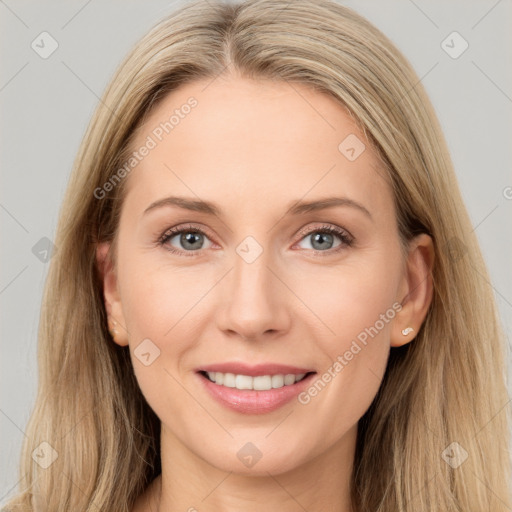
pixel 254 143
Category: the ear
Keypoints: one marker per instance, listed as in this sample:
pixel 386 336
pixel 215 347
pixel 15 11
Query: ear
pixel 416 290
pixel 111 295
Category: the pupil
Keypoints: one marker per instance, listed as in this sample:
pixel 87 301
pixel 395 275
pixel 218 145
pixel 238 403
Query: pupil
pixel 321 237
pixel 188 238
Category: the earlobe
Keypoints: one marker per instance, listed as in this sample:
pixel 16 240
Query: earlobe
pixel 111 295
pixel 417 291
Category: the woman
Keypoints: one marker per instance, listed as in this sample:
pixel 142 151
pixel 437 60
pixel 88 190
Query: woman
pixel 202 349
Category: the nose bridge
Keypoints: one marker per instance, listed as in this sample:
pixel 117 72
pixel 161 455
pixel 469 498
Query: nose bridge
pixel 255 301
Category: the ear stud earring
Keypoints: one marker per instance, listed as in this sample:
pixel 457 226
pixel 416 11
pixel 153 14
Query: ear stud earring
pixel 407 331
pixel 113 330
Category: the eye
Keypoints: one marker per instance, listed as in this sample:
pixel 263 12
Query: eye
pixel 323 239
pixel 190 239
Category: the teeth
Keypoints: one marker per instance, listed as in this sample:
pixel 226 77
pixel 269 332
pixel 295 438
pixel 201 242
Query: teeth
pixel 259 383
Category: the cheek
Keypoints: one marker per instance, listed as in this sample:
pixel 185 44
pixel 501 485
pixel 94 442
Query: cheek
pixel 353 302
pixel 357 306
pixel 160 301
pixel 163 308
pixel 155 307
pixel 355 364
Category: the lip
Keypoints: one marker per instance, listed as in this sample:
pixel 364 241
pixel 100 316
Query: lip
pixel 253 370
pixel 249 401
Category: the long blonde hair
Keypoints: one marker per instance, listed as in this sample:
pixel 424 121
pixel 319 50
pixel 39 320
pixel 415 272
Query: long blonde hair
pixel 443 395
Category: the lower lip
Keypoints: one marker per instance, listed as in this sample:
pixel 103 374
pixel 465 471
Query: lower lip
pixel 249 401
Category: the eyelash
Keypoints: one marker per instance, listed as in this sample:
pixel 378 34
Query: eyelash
pixel 346 239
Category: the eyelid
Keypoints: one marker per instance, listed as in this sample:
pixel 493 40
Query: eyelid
pixel 344 235
pixel 175 230
pixel 338 230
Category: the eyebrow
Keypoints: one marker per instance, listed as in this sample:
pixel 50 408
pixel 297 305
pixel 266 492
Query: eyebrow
pixel 295 207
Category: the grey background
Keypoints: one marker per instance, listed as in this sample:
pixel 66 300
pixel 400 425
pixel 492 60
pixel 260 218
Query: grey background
pixel 46 105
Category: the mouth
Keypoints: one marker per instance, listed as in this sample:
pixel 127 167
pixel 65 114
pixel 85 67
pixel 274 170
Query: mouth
pixel 254 394
pixel 254 383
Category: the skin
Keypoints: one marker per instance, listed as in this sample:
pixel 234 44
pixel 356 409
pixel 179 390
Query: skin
pixel 253 148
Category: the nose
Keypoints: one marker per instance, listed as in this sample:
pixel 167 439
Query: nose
pixel 256 301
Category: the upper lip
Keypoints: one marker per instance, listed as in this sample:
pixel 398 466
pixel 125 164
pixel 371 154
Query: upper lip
pixel 239 368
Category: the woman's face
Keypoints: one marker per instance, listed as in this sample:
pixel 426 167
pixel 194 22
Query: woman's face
pixel 257 278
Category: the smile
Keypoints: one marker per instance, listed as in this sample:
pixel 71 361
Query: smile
pixel 257 394
pixel 258 383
